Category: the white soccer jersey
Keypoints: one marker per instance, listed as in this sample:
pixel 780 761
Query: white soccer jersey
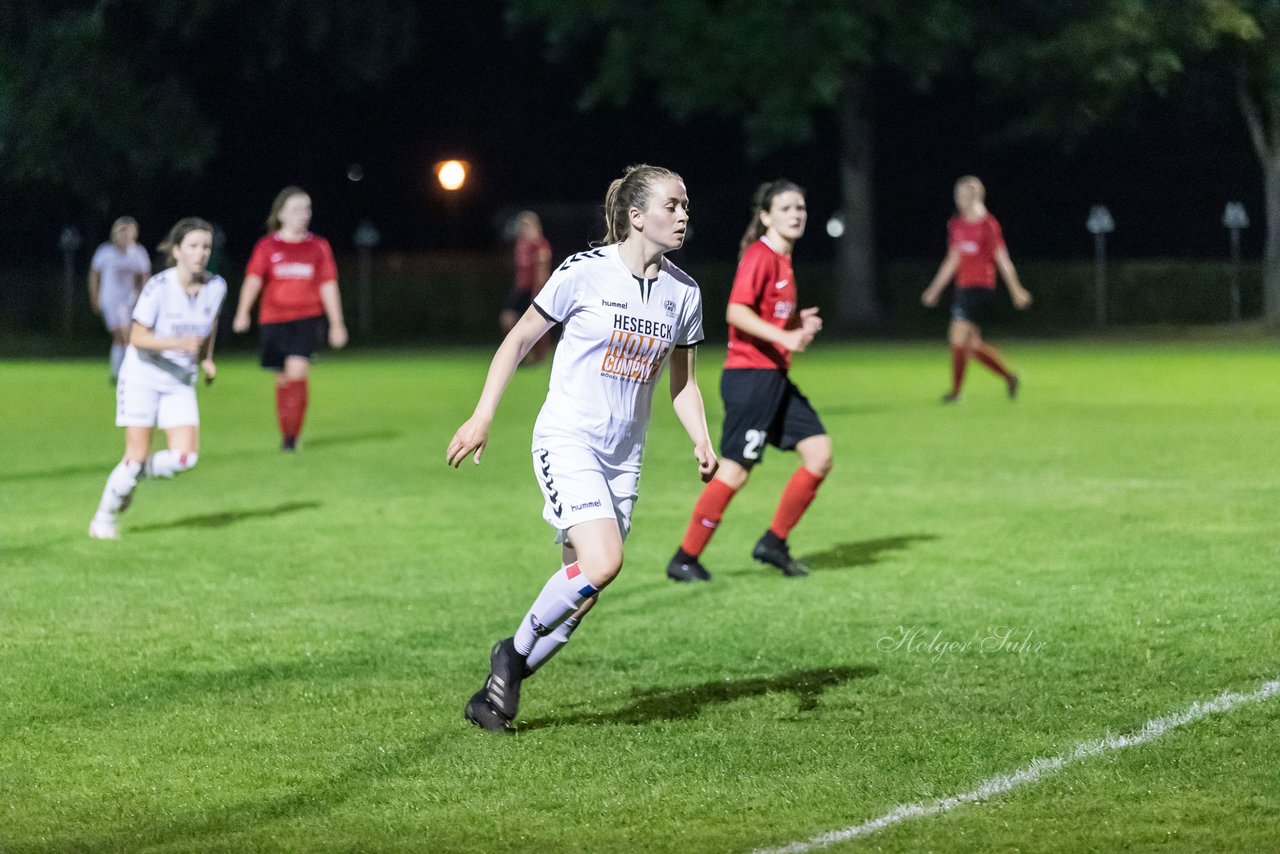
pixel 619 331
pixel 165 309
pixel 119 271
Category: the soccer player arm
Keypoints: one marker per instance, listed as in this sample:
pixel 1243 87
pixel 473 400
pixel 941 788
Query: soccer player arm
pixel 473 435
pixel 686 399
pixel 95 288
pixel 205 356
pixel 332 302
pixel 745 319
pixel 946 270
pixel 145 339
pixel 1021 297
pixel 248 296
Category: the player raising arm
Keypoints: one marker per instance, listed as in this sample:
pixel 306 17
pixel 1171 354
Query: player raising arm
pixel 625 310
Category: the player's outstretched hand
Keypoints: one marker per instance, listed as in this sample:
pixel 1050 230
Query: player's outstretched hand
pixel 210 371
pixel 472 436
pixel 1021 299
pixel 338 336
pixel 240 323
pixel 929 299
pixel 707 461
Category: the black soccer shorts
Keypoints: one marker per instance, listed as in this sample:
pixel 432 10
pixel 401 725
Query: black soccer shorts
pixel 763 407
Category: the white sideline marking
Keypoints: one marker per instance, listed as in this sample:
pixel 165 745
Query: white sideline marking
pixel 1031 773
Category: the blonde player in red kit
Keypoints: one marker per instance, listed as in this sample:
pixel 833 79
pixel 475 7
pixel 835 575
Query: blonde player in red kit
pixel 975 248
pixel 294 271
pixel 762 406
pixel 626 312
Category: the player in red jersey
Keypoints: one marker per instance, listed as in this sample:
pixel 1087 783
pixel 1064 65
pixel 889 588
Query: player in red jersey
pixel 294 271
pixel 761 404
pixel 532 268
pixel 975 249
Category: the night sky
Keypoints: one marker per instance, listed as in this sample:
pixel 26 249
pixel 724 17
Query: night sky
pixel 477 91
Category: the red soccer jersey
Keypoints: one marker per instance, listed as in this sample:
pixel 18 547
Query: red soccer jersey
pixel 766 284
pixel 527 252
pixel 977 242
pixel 292 274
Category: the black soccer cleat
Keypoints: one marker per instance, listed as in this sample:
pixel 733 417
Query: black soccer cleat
pixel 950 398
pixel 773 551
pixel 481 712
pixel 687 568
pixel 1014 382
pixel 506 672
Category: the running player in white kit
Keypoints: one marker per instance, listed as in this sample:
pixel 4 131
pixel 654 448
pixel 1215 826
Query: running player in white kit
pixel 624 309
pixel 116 274
pixel 171 341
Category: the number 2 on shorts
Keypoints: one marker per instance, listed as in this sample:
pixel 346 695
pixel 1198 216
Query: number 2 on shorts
pixel 755 438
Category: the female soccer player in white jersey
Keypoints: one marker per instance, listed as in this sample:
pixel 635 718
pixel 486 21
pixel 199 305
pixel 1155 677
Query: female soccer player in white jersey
pixel 173 330
pixel 119 268
pixel 624 308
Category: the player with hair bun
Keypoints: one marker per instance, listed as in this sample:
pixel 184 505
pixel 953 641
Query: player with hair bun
pixel 762 406
pixel 626 311
pixel 174 324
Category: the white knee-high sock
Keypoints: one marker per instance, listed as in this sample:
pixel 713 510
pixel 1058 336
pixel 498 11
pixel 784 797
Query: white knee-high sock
pixel 117 357
pixel 167 463
pixel 546 647
pixel 564 593
pixel 119 489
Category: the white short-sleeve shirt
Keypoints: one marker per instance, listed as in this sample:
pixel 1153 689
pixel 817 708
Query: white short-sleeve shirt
pixel 619 331
pixel 165 308
pixel 119 271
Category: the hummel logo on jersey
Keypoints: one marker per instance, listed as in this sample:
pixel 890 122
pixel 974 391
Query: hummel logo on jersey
pixel 277 257
pixel 611 304
pixel 581 256
pixel 782 284
pixel 576 507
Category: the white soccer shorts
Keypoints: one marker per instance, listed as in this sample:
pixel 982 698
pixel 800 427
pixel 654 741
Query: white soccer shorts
pixel 117 314
pixel 141 405
pixel 578 486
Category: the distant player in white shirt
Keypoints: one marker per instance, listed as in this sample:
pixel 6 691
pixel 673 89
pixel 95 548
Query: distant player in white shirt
pixel 626 312
pixel 171 340
pixel 116 274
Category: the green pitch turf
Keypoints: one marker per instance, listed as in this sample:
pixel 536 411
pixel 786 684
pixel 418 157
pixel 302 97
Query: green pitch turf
pixel 276 655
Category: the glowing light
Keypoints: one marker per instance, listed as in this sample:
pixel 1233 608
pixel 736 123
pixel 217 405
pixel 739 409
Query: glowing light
pixel 452 174
pixel 835 226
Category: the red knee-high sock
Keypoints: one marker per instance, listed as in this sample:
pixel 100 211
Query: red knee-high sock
pixel 990 356
pixel 291 407
pixel 707 514
pixel 959 359
pixel 796 498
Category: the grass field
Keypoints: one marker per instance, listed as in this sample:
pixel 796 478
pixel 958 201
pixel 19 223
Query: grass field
pixel 276 655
